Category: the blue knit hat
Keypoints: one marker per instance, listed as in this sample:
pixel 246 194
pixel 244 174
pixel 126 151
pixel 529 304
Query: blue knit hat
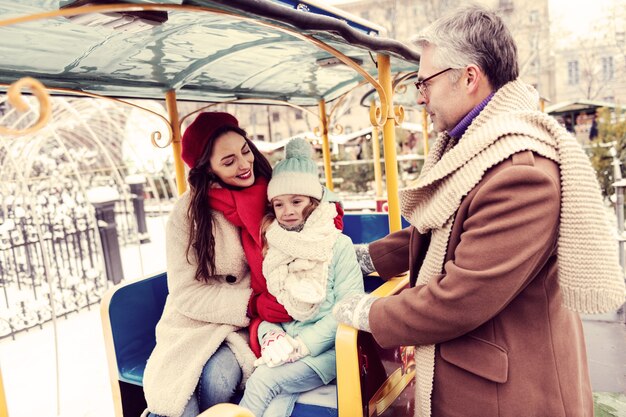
pixel 297 173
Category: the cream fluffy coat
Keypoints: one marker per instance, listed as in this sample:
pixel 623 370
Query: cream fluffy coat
pixel 198 317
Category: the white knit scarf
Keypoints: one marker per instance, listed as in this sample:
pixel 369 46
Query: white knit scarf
pixel 296 263
pixel 590 277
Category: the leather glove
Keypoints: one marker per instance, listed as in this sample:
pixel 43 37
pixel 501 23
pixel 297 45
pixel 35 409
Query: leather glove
pixel 276 347
pixel 354 310
pixel 363 257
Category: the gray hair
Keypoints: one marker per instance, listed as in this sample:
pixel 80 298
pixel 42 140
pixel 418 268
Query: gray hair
pixel 473 35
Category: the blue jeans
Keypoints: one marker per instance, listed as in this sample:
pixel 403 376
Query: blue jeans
pixel 272 392
pixel 218 382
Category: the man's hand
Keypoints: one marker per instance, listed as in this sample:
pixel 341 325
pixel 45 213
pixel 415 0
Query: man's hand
pixel 354 310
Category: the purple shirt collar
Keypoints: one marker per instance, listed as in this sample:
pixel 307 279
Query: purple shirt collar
pixel 462 126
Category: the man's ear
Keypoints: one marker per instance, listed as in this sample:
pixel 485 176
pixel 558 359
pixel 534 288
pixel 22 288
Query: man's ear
pixel 473 78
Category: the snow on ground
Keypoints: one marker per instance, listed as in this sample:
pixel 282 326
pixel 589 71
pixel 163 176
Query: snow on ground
pixel 28 362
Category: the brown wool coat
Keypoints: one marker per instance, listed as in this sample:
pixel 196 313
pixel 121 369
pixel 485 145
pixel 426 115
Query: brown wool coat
pixel 505 344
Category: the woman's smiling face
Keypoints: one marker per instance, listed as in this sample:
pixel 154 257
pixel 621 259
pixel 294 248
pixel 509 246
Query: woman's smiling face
pixel 232 160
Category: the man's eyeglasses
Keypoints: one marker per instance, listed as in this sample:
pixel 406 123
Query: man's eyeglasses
pixel 421 85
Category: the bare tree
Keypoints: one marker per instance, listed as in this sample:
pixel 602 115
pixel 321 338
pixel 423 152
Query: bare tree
pixel 602 57
pixel 530 26
pixel 591 84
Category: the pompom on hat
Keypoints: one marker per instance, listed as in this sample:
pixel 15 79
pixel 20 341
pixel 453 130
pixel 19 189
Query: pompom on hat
pixel 200 130
pixel 297 173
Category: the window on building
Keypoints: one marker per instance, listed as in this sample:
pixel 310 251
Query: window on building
pixel 533 17
pixel 607 68
pixel 506 5
pixel 572 72
pixel 275 117
pixel 258 137
pixel 299 115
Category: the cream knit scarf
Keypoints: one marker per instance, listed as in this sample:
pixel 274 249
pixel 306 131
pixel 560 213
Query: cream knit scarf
pixel 296 263
pixel 590 277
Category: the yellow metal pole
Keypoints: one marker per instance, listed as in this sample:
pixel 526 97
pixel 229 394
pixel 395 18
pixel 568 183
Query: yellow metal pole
pixel 389 145
pixel 425 130
pixel 172 110
pixel 348 374
pixel 542 104
pixel 378 175
pixel 325 145
pixel 4 412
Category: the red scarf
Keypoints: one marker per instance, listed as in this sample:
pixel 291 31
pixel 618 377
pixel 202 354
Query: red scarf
pixel 245 209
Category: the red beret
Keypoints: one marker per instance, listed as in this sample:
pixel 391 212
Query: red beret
pixel 200 130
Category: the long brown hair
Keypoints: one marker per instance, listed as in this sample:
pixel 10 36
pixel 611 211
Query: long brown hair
pixel 270 216
pixel 201 237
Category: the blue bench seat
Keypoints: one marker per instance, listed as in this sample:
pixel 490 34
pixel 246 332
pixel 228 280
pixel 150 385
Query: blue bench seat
pixel 130 313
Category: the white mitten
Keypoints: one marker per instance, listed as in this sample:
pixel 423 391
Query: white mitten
pixel 299 349
pixel 276 347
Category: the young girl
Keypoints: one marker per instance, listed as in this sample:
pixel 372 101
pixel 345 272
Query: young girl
pixel 309 265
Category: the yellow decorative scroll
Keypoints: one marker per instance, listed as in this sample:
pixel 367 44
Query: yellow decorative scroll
pixel 393 386
pixel 400 89
pixel 389 391
pixel 14 97
pixel 376 114
pixel 337 129
pixel 398 112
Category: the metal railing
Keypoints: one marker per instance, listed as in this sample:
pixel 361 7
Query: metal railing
pixel 70 238
pixel 81 240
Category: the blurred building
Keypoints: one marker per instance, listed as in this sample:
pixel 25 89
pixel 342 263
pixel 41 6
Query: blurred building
pixel 528 21
pixel 590 64
pixel 563 66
